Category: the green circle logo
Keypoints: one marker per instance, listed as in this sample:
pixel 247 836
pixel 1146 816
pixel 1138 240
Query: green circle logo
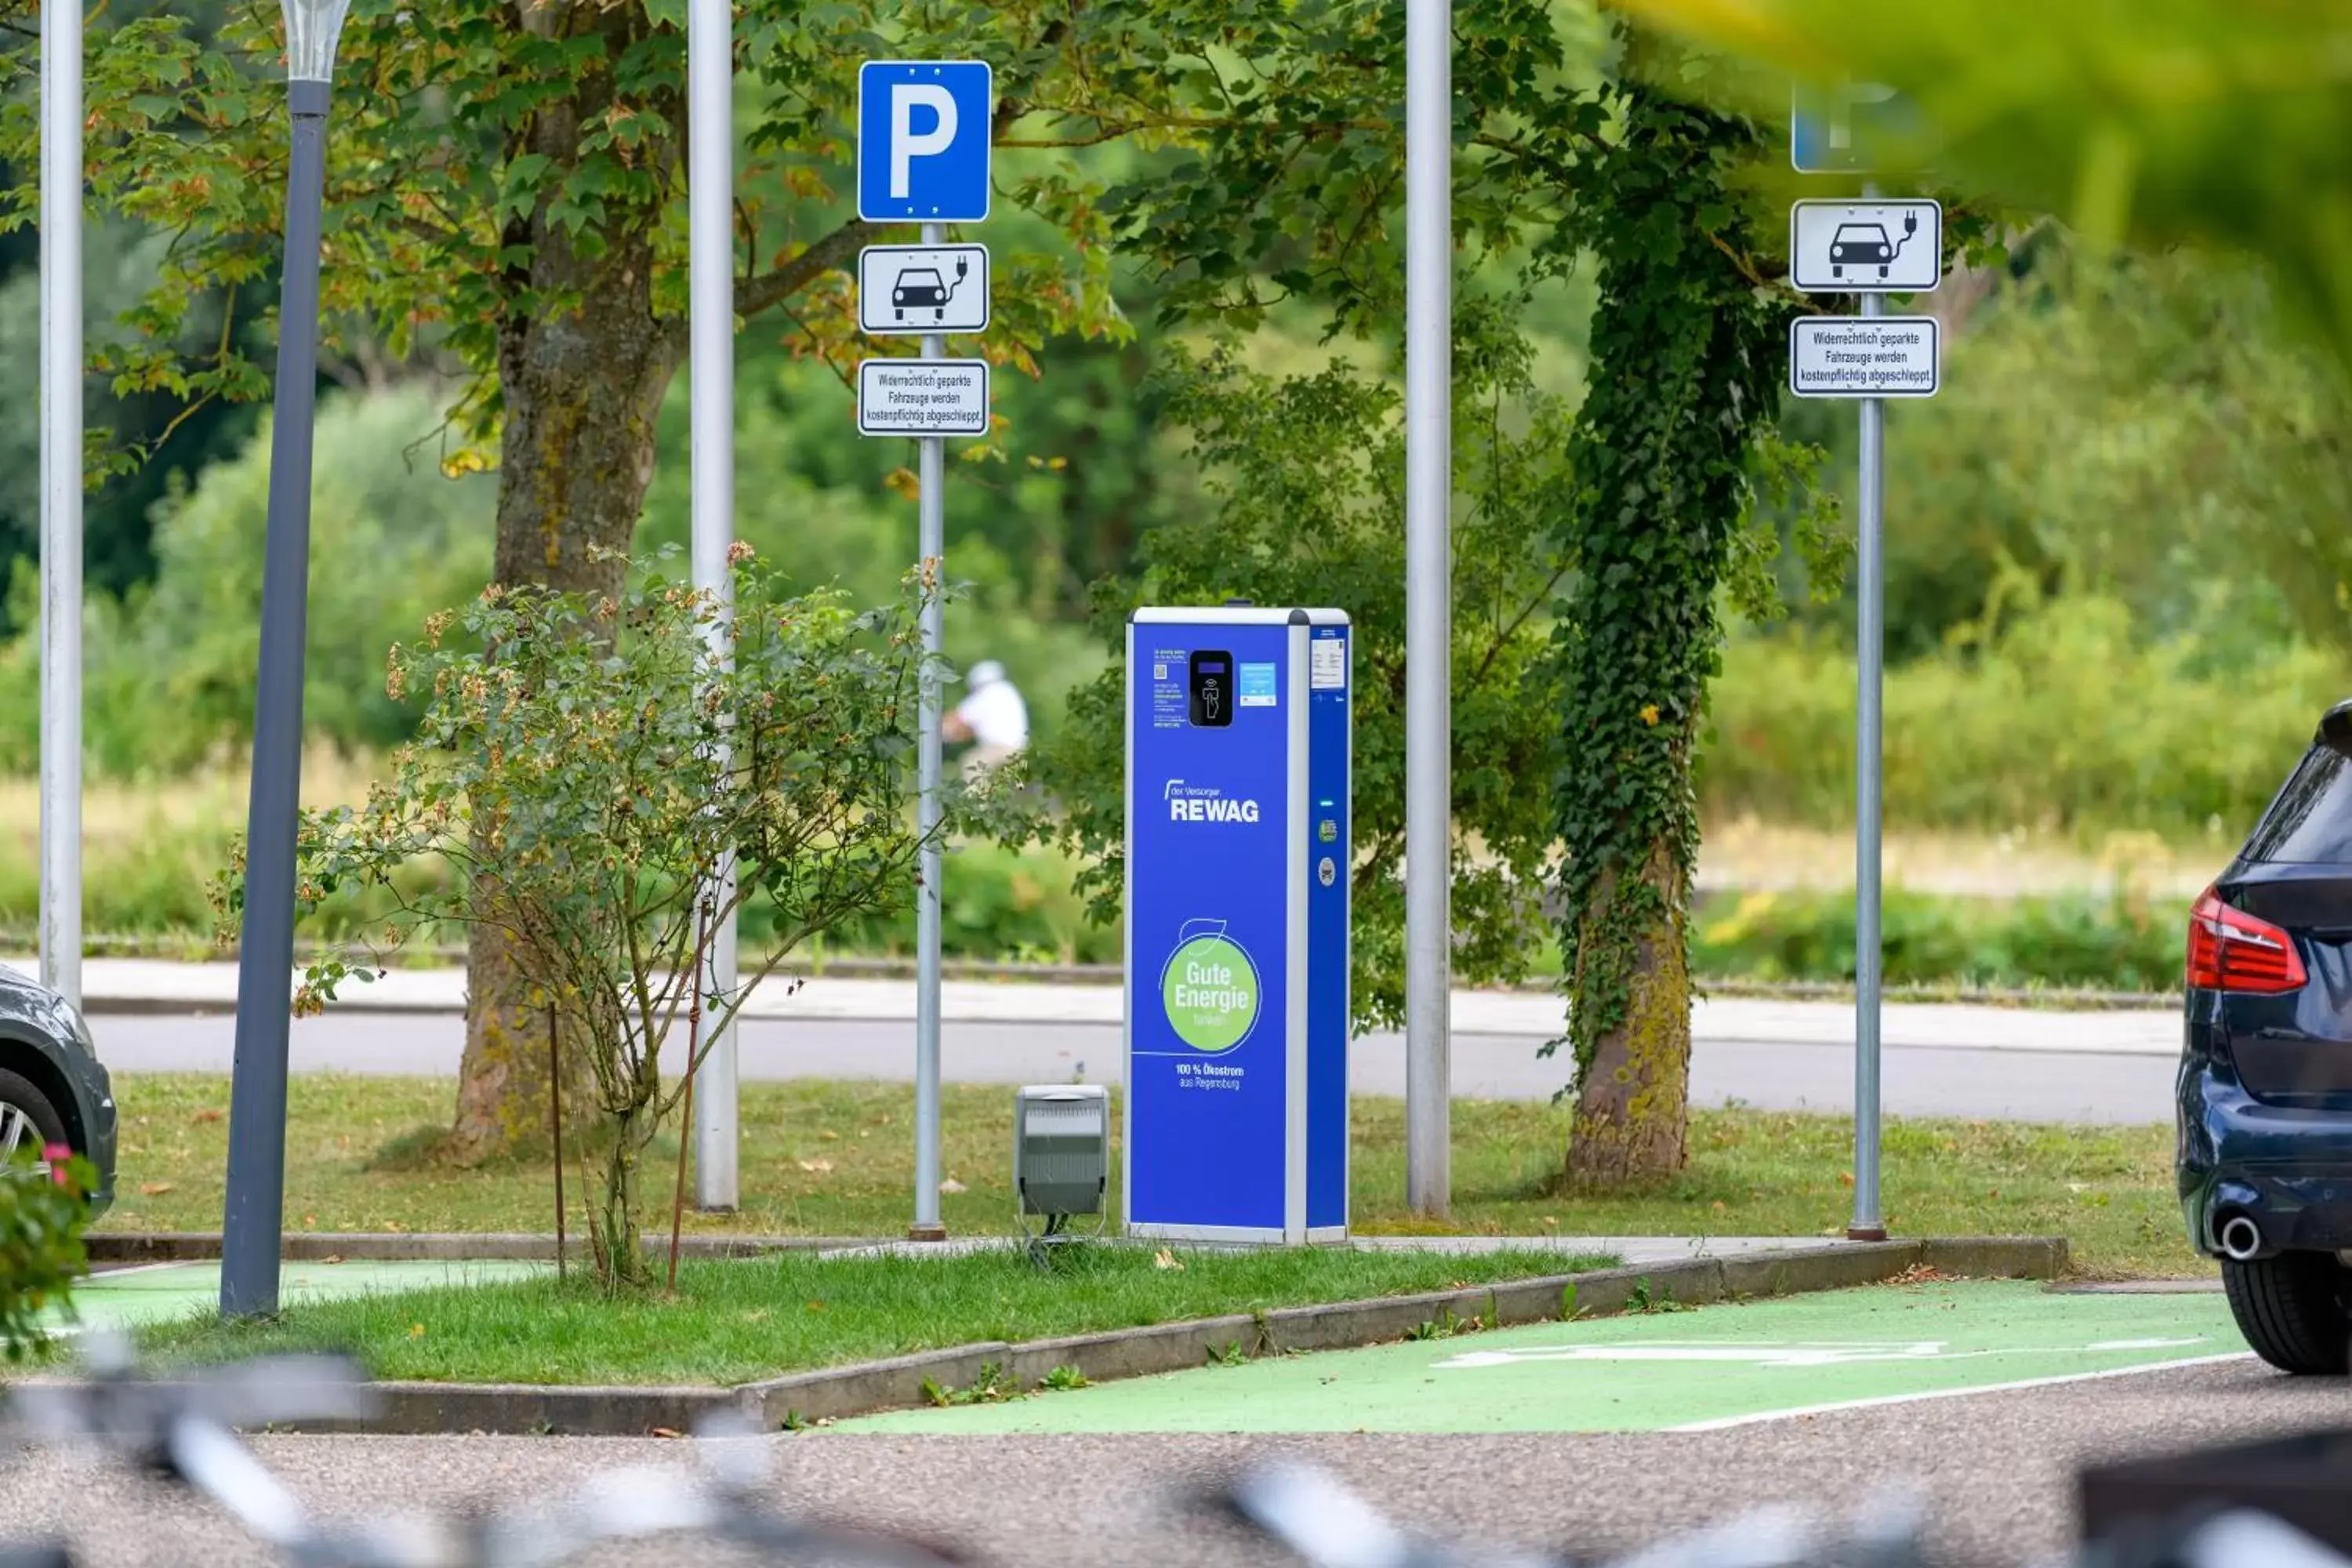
pixel 1210 989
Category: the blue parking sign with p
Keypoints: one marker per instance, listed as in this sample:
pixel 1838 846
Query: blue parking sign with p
pixel 923 136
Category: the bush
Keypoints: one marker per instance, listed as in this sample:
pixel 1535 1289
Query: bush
pixel 2059 720
pixel 41 1221
pixel 170 671
pixel 995 905
pixel 582 765
pixel 2121 942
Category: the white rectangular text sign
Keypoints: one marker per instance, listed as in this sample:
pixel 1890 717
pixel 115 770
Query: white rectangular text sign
pixel 922 397
pixel 1863 356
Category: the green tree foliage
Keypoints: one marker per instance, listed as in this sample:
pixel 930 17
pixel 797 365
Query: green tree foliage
pixel 506 183
pixel 169 670
pixel 1303 479
pixel 825 505
pixel 577 789
pixel 143 444
pixel 1685 377
pixel 2146 429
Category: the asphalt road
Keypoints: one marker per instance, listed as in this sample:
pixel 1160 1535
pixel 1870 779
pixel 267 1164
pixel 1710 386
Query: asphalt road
pixel 1995 1470
pixel 1919 1081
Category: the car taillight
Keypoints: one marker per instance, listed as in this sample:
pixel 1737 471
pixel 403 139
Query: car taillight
pixel 2229 950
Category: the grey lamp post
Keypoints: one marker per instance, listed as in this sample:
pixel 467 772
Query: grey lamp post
pixel 254 1213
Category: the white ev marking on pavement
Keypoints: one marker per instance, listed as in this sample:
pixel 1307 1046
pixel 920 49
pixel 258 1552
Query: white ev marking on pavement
pixel 1768 1353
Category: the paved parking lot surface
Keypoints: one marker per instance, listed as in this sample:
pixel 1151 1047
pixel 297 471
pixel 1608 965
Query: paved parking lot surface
pixel 1994 1467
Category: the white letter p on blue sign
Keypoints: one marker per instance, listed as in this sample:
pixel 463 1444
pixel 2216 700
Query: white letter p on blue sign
pixel 923 134
pixel 905 143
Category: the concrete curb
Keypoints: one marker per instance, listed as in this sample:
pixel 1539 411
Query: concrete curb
pixel 899 1382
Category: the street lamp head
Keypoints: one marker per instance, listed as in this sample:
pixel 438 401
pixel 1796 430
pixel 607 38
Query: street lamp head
pixel 312 28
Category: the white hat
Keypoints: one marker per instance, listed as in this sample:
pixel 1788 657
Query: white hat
pixel 987 672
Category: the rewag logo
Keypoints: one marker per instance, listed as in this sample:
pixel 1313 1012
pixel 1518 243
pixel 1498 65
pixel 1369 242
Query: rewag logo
pixel 1205 802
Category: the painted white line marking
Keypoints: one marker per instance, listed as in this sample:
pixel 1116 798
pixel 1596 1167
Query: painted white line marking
pixel 1730 1421
pixel 2144 1344
pixel 1746 1351
pixel 1776 1354
pixel 99 1275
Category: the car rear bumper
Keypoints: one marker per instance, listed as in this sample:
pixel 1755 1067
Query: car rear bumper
pixel 2287 1169
pixel 94 1089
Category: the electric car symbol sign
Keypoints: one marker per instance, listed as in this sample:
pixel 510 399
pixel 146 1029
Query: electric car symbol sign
pixel 914 289
pixel 1867 247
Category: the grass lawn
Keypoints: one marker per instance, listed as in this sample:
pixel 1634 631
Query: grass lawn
pixel 835 1159
pixel 736 1322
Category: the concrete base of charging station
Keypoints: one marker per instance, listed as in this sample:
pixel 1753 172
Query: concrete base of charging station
pixel 899 1382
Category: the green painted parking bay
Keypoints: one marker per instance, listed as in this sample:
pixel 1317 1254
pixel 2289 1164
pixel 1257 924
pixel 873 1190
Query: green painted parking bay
pixel 1648 1372
pixel 166 1293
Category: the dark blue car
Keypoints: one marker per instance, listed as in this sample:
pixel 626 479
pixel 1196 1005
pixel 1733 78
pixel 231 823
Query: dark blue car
pixel 2264 1157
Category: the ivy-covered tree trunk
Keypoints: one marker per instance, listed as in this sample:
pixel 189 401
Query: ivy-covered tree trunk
pixel 1686 362
pixel 584 361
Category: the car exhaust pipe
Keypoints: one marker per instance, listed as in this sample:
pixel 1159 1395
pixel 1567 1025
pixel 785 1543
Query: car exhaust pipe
pixel 2241 1238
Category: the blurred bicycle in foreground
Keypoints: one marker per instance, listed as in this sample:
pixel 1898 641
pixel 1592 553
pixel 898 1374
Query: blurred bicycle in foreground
pixel 185 1431
pixel 1325 1525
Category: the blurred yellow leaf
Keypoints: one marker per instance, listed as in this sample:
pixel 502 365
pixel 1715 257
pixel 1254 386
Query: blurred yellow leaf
pixel 2221 122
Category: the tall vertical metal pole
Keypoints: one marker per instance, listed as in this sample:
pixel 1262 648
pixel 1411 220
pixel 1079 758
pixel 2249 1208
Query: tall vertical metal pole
pixel 1428 596
pixel 254 1211
pixel 61 481
pixel 932 549
pixel 1869 565
pixel 710 218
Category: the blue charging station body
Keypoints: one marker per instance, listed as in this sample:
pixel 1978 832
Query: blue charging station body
pixel 1238 736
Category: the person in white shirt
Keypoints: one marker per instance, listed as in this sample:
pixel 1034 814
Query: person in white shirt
pixel 992 716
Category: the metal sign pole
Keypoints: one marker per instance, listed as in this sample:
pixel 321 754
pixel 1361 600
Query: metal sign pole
pixel 711 194
pixel 933 547
pixel 924 137
pixel 1428 590
pixel 61 483
pixel 1873 249
pixel 253 1206
pixel 1868 770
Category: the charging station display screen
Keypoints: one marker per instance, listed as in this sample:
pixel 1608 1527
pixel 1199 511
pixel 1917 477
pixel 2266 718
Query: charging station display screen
pixel 1207 924
pixel 1209 679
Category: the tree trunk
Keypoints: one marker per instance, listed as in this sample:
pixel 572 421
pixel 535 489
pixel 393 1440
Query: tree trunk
pixel 619 1251
pixel 1632 1111
pixel 582 387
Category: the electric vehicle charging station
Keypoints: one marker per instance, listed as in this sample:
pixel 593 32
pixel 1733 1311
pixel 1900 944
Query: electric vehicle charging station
pixel 1238 773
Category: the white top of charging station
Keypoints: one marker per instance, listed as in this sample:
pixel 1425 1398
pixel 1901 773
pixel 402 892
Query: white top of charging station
pixel 1238 615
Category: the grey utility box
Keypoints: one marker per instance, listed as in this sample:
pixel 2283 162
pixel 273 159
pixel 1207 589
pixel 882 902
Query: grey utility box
pixel 1061 1148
